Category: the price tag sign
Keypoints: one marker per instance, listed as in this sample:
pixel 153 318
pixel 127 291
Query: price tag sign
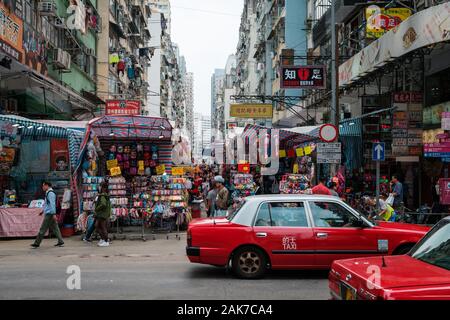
pixel 177 171
pixel 111 164
pixel 161 169
pixel 115 171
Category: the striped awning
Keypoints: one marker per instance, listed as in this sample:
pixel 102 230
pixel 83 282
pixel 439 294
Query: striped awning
pixel 33 128
pixel 132 127
pixel 351 127
pixel 41 130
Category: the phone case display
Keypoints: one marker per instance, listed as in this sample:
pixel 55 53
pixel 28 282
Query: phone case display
pixel 119 196
pixel 170 201
pixel 91 186
pixel 243 186
pixel 135 159
pixel 295 184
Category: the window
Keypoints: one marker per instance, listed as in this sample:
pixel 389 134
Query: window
pixel 331 215
pixel 434 248
pixel 282 214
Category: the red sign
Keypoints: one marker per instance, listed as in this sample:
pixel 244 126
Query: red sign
pixel 123 108
pixel 303 77
pixel 408 97
pixel 59 150
pixel 328 133
pixel 244 168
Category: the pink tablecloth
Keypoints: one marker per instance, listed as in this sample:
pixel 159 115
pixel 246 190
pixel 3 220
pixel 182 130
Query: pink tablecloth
pixel 20 222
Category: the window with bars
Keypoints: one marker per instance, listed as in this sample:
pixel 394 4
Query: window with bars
pixel 320 8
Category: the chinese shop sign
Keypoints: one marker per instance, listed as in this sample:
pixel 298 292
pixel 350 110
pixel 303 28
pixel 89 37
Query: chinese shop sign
pixel 252 111
pixel 303 77
pixel 11 32
pixel 123 107
pixel 380 21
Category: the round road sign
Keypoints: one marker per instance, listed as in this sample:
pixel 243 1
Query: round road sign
pixel 328 133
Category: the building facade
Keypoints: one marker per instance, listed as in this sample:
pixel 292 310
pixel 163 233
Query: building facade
pixel 49 59
pixel 202 136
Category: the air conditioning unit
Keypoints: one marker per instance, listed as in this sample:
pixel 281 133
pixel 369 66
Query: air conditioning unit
pixel 63 59
pixel 261 66
pixel 47 8
pixel 59 23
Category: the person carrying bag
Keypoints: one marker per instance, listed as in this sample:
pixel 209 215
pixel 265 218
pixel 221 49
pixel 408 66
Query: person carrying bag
pixel 102 214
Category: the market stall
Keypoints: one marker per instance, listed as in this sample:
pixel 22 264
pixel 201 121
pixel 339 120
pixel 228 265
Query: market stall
pixel 297 168
pixel 32 152
pixel 134 154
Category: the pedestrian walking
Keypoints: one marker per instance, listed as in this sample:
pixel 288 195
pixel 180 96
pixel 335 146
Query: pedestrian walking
pixel 397 192
pixel 332 187
pixel 102 214
pixel 222 199
pixel 211 200
pixel 50 222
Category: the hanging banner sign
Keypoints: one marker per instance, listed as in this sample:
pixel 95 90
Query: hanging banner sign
pixel 408 97
pixel 251 111
pixel 11 31
pixel 123 107
pixel 303 77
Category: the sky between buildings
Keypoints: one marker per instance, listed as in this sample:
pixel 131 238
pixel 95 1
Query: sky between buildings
pixel 207 32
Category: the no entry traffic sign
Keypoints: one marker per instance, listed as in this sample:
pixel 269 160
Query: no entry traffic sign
pixel 328 133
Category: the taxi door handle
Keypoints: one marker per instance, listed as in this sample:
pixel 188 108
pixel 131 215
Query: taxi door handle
pixel 322 235
pixel 261 234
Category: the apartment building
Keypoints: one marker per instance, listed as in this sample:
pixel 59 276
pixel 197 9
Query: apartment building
pixel 48 57
pixel 189 116
pixel 124 53
pixel 216 84
pixel 202 137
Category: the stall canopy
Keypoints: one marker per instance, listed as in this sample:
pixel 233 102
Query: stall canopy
pixel 39 129
pixel 291 136
pixel 131 127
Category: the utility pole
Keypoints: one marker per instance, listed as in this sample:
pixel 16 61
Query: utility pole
pixel 335 114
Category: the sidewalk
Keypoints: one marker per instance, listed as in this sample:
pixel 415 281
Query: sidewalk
pixel 160 249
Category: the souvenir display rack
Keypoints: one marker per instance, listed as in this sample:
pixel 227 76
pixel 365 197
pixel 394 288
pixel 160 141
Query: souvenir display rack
pixel 91 186
pixel 295 184
pixel 243 186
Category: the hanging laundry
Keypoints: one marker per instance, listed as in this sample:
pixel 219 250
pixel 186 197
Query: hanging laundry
pixel 131 73
pixel 121 67
pixel 114 59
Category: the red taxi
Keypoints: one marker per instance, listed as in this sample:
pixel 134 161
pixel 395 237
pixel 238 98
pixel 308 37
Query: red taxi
pixel 422 274
pixel 294 232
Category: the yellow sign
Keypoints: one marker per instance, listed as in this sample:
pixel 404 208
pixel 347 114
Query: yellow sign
pixel 380 20
pixel 115 171
pixel 299 152
pixel 252 111
pixel 308 150
pixel 177 171
pixel 295 169
pixel 111 164
pixel 282 153
pixel 160 169
pixel 141 165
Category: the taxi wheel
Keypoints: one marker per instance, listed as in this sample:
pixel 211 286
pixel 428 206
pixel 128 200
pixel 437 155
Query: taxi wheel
pixel 249 263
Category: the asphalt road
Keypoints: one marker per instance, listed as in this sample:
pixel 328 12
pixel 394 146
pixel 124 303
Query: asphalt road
pixel 156 269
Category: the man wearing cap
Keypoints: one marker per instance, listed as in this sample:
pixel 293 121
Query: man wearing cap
pixel 222 197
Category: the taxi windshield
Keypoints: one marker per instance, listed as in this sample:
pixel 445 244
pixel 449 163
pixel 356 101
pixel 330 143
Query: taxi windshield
pixel 434 248
pixel 235 209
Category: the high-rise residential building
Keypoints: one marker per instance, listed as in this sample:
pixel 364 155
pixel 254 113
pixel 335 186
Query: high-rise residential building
pixel 167 68
pixel 202 135
pixel 123 54
pixel 216 83
pixel 270 30
pixel 49 59
pixel 189 92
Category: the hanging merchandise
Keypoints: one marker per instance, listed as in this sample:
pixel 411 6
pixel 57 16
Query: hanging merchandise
pixel 243 186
